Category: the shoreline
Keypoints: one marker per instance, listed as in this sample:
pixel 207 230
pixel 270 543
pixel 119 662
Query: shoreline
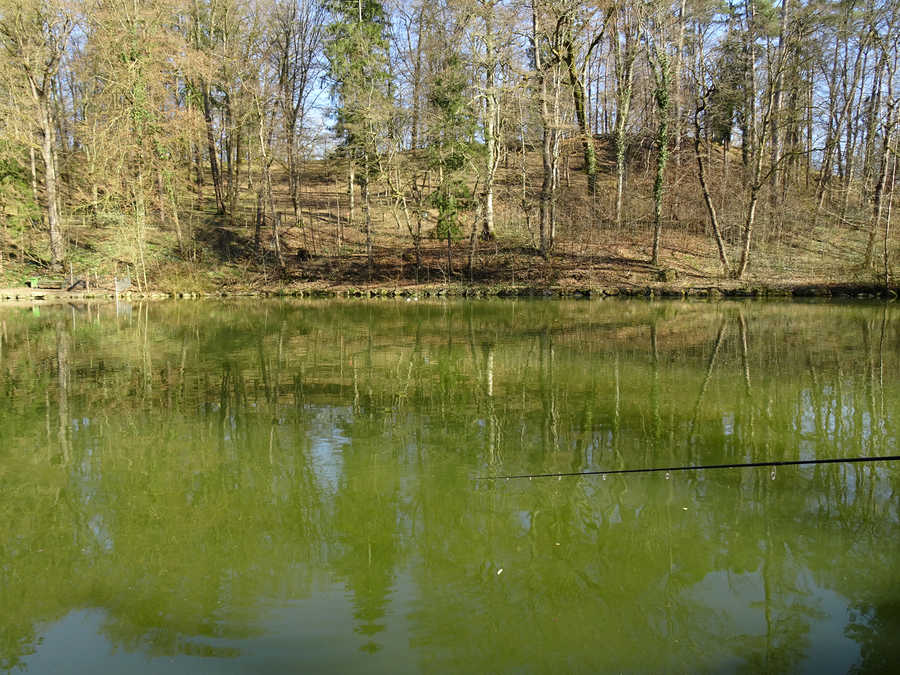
pixel 710 291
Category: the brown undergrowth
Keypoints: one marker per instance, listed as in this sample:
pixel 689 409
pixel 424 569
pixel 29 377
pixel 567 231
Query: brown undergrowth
pixel 324 250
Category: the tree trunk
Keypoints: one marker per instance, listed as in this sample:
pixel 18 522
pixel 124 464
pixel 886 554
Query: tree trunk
pixel 234 186
pixel 676 80
pixel 877 200
pixel 587 141
pixel 351 194
pixel 546 146
pixel 473 242
pixel 276 235
pixel 33 164
pixel 748 232
pixel 624 90
pixel 887 133
pixel 213 161
pixel 749 146
pixel 169 190
pixel 449 254
pixel 662 145
pixel 260 218
pixel 546 186
pixel 492 114
pixel 229 147
pixel 873 104
pixel 887 227
pixel 837 117
pixel 417 81
pixel 755 178
pixel 57 253
pixel 710 207
pixel 775 140
pixel 293 178
pixel 370 263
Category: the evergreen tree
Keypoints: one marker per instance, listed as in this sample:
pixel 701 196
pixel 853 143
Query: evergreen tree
pixel 452 148
pixel 358 61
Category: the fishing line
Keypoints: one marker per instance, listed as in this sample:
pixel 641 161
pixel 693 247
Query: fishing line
pixel 702 467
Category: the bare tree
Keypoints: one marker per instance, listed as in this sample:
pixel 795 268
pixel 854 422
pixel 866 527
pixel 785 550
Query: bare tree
pixel 35 35
pixel 624 48
pixel 297 49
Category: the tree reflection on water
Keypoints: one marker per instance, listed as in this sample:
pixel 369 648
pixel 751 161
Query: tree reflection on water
pixel 187 467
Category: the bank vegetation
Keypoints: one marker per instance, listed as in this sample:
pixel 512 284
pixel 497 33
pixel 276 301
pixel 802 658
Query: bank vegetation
pixel 229 144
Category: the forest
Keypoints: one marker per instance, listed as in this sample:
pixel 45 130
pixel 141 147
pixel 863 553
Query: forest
pixel 219 144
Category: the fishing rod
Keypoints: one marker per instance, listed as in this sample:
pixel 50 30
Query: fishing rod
pixel 701 467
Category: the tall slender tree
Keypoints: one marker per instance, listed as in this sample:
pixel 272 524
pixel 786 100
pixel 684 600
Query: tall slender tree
pixel 35 34
pixel 358 60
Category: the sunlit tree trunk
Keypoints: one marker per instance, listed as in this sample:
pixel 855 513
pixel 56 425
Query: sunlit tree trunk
pixel 624 69
pixel 35 36
pixel 546 194
pixel 48 156
pixel 707 198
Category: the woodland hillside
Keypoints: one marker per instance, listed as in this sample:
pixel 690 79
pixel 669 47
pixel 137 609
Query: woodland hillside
pixel 241 144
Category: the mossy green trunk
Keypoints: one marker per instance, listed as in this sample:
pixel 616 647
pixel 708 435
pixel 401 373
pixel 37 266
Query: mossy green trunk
pixel 662 157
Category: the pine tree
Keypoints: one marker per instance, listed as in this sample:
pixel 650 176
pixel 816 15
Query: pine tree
pixel 358 61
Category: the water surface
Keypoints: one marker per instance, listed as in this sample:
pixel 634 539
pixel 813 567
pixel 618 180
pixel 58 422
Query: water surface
pixel 253 487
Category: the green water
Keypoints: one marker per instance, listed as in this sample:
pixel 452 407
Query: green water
pixel 268 487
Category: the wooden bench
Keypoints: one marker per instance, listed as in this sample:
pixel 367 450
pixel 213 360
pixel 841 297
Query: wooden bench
pixel 50 284
pixel 56 284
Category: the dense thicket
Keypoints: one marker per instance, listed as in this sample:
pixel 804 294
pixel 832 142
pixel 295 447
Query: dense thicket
pixel 755 120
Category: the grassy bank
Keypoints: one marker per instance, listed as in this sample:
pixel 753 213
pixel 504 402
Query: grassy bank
pixel 323 249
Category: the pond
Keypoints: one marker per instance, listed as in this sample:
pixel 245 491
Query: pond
pixel 280 486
